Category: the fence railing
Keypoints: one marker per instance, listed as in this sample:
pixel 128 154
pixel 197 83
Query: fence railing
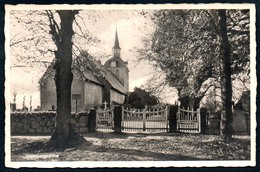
pixel 166 119
pixel 188 120
pixel 105 119
pixel 150 119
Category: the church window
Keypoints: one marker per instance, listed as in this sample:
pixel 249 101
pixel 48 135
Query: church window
pixel 113 64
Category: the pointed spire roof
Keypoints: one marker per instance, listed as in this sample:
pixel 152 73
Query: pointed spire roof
pixel 116 42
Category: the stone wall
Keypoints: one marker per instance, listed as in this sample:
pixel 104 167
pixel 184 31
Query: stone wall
pixel 42 123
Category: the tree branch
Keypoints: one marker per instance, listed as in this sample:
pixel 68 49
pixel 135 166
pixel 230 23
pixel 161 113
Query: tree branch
pixel 238 32
pixel 211 20
pixel 54 28
pixel 21 41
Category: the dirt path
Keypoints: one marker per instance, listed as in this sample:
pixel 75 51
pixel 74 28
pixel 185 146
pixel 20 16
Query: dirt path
pixel 104 146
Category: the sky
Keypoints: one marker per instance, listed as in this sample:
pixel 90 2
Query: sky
pixel 131 28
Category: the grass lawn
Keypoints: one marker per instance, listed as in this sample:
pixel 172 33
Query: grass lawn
pixel 105 146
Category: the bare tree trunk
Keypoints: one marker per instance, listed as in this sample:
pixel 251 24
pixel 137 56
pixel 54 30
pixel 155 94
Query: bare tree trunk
pixel 226 83
pixel 64 135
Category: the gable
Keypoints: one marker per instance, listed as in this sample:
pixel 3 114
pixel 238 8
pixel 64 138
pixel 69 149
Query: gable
pixel 112 79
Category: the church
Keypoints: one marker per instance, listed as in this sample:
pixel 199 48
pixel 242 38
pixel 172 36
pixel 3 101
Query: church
pixel 89 89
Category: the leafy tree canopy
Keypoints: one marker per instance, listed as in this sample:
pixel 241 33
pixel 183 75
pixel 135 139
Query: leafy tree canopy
pixel 140 97
pixel 185 47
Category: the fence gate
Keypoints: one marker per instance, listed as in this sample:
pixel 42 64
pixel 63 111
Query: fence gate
pixel 188 121
pixel 105 119
pixel 145 120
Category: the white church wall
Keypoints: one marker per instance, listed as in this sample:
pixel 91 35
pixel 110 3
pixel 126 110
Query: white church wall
pixel 116 97
pixel 49 98
pixel 77 88
pixel 92 95
pixel 48 94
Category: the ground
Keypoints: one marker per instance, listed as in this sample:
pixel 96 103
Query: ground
pixel 105 146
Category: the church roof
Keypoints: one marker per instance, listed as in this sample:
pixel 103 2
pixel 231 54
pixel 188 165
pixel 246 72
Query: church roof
pixel 89 76
pixel 49 72
pixel 119 60
pixel 86 73
pixel 111 78
pixel 114 81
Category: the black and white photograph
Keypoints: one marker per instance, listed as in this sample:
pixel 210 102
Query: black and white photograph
pixel 158 85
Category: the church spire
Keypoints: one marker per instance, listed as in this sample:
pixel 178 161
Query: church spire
pixel 116 48
pixel 116 42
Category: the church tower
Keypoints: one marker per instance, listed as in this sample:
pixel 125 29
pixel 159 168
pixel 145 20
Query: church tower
pixel 117 66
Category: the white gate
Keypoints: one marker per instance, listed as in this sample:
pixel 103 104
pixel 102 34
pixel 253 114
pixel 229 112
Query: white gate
pixel 145 120
pixel 188 121
pixel 105 119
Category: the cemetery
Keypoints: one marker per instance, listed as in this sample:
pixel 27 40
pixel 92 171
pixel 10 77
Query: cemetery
pixel 88 112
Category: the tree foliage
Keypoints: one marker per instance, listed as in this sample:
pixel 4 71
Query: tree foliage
pixel 185 47
pixel 35 42
pixel 140 97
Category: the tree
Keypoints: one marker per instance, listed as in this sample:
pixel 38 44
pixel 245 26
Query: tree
pixel 64 134
pixel 140 97
pixel 45 35
pixel 189 46
pixel 175 49
pixel 226 89
pixel 185 45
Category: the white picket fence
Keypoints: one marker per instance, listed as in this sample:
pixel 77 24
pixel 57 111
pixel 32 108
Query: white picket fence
pixel 145 120
pixel 156 119
pixel 105 119
pixel 188 121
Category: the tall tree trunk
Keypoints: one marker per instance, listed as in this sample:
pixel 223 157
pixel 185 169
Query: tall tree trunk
pixel 226 84
pixel 64 135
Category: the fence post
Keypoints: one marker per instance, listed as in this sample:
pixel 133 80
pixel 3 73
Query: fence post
pixel 203 118
pixel 144 120
pixel 117 119
pixel 92 120
pixel 172 119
